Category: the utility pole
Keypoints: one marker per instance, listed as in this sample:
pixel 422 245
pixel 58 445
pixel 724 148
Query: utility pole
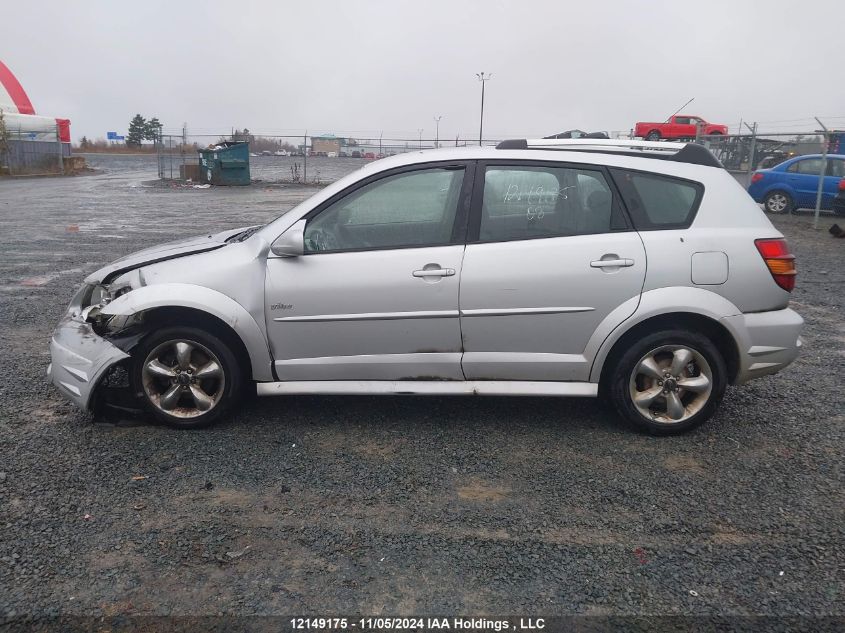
pixel 483 78
pixel 751 151
pixel 437 131
pixel 822 173
pixel 305 158
pixel 420 130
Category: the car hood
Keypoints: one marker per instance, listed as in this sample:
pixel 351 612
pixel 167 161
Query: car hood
pixel 170 250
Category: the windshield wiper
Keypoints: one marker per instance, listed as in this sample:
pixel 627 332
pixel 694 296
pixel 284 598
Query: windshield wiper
pixel 245 235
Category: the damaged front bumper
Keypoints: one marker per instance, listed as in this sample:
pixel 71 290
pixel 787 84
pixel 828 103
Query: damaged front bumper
pixel 79 359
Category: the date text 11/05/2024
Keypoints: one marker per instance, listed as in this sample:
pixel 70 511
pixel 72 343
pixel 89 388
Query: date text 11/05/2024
pixel 417 624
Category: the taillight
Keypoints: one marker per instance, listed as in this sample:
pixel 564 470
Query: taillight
pixel 780 262
pixel 757 177
pixel 842 185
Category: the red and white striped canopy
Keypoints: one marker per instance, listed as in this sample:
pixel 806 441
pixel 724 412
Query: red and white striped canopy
pixel 19 114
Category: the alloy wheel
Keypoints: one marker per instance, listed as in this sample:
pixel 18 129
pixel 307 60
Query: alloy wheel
pixel 671 384
pixel 183 378
pixel 777 203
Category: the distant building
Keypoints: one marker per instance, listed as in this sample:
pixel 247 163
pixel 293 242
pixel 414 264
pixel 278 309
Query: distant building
pixel 34 143
pixel 326 144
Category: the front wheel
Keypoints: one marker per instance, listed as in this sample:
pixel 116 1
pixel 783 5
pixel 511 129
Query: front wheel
pixel 654 135
pixel 669 382
pixel 185 377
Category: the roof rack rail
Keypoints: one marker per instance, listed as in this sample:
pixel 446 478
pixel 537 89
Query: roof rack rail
pixel 691 153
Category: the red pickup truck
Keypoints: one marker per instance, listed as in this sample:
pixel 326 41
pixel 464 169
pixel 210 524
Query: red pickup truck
pixel 680 126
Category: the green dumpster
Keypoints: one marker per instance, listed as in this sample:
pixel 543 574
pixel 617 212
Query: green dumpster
pixel 225 163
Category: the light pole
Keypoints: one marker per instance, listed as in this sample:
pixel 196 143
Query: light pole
pixel 483 78
pixel 420 130
pixel 437 131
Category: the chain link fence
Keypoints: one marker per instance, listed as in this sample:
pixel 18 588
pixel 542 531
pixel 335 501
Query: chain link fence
pixel 810 183
pixel 321 158
pixel 745 153
pixel 292 158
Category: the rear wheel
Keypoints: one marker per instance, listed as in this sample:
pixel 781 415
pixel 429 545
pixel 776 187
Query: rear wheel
pixel 669 382
pixel 185 377
pixel 654 135
pixel 778 202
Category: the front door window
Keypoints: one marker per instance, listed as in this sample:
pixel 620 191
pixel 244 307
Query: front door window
pixel 404 210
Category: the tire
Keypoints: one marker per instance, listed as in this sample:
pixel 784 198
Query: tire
pixel 778 202
pixel 649 360
pixel 654 135
pixel 185 377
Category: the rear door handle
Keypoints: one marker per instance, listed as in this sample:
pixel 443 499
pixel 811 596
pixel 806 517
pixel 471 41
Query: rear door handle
pixel 611 263
pixel 434 272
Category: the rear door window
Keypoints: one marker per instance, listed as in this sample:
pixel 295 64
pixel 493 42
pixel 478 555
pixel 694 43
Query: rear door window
pixel 528 201
pixel 656 201
pixel 836 167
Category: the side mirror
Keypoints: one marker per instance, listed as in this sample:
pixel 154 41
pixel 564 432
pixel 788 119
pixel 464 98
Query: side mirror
pixel 291 243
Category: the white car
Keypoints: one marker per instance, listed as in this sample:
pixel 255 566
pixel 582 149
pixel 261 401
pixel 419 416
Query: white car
pixel 640 273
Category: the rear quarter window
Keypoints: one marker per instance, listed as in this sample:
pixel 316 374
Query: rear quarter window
pixel 656 201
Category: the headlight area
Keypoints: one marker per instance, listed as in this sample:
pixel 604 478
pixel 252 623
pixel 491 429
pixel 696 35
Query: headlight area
pixel 92 300
pixel 107 325
pixel 94 371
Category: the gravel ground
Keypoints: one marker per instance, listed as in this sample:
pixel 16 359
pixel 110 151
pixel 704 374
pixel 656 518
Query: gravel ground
pixel 398 505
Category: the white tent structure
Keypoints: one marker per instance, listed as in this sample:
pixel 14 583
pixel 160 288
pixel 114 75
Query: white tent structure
pixel 33 143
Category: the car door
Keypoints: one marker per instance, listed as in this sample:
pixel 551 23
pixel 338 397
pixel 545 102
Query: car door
pixel 683 127
pixel 803 177
pixel 549 257
pixel 375 294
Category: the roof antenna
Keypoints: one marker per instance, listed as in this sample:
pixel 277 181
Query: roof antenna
pixel 679 109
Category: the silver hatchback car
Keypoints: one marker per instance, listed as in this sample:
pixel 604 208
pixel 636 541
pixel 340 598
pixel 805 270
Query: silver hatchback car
pixel 638 272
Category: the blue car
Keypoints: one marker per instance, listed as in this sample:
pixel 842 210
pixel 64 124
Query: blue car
pixel 793 184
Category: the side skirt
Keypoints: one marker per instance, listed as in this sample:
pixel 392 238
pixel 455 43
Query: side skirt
pixel 429 387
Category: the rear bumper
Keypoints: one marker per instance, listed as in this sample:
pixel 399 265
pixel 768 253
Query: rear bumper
pixel 756 192
pixel 79 358
pixel 767 341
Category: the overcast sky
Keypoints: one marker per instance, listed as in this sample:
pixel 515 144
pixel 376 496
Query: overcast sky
pixel 365 67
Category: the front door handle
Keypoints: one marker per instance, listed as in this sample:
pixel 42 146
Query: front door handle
pixel 612 263
pixel 434 272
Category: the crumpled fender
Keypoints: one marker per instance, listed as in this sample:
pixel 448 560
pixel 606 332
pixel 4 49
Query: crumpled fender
pixel 205 300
